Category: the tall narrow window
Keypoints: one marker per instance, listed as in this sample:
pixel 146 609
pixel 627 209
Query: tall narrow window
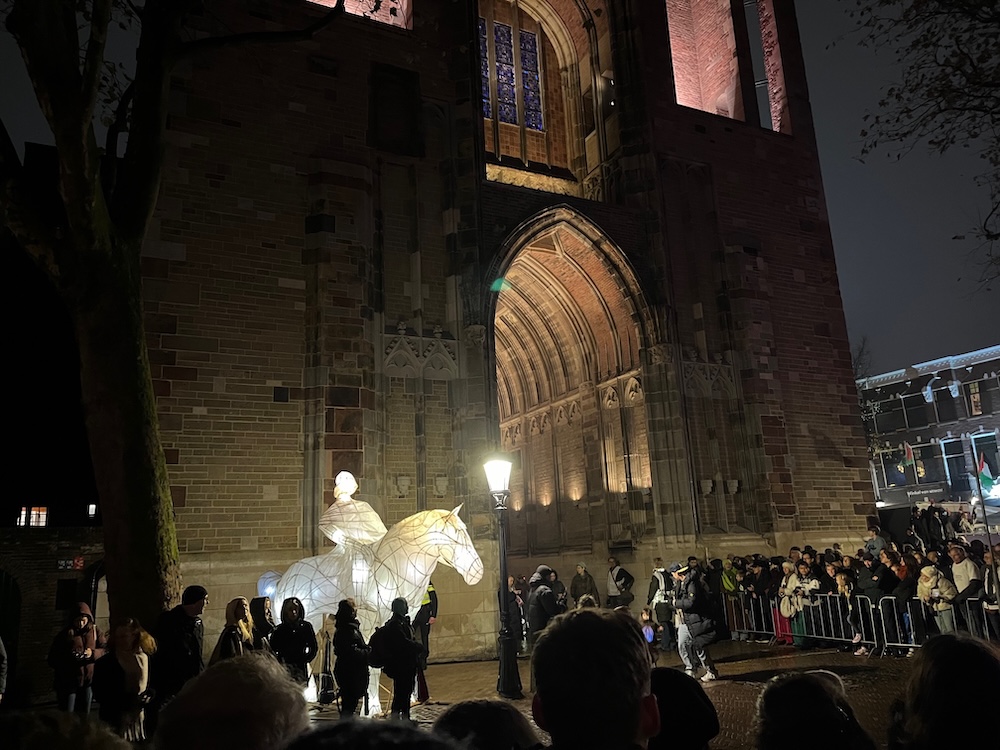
pixel 514 92
pixel 484 69
pixel 503 40
pixel 531 81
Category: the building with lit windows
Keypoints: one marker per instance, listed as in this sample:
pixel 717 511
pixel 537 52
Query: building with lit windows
pixel 947 412
pixel 593 235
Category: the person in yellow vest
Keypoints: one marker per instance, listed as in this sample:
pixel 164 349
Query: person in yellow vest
pixel 425 617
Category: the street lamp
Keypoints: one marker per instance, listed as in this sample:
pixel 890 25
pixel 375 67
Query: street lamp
pixel 498 478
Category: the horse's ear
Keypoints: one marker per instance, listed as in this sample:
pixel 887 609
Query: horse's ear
pixel 457 509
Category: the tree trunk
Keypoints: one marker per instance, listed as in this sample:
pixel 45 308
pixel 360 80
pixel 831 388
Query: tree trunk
pixel 140 543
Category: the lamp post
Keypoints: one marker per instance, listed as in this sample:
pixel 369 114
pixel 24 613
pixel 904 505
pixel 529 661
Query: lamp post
pixel 498 478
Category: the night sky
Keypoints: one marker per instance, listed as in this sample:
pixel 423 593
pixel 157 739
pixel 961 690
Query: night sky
pixel 906 283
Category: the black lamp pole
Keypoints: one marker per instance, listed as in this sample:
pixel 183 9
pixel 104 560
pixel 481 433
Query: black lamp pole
pixel 509 680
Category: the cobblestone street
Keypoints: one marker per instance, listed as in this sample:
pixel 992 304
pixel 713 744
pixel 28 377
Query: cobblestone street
pixel 743 668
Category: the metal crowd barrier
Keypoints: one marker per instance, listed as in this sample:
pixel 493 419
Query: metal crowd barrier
pixel 825 617
pixel 828 618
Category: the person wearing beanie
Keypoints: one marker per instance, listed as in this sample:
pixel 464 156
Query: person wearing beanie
pixel 402 658
pixel 180 640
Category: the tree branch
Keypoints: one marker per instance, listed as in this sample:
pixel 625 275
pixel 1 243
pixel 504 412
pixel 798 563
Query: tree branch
pixel 109 167
pixel 262 37
pixel 93 60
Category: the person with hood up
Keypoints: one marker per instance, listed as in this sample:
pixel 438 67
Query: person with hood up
pixel 351 667
pixel 583 583
pixel 402 658
pixel 937 592
pixel 72 655
pixel 294 640
pixel 263 622
pixel 237 637
pixel 696 629
pixel 542 604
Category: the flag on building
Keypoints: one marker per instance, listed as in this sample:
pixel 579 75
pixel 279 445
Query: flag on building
pixel 986 480
pixel 907 454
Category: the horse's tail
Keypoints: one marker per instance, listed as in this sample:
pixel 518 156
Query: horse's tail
pixel 267 584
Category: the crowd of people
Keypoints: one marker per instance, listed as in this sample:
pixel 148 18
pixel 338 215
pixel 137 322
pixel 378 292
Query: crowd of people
pixel 615 699
pixel 134 673
pixel 942 597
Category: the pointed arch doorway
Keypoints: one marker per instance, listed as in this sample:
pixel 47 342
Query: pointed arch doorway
pixel 572 330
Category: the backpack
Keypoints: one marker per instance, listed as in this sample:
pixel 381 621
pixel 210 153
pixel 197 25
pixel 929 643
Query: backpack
pixel 378 653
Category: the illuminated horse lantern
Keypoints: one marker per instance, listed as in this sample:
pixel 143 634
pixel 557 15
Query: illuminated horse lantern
pixel 372 564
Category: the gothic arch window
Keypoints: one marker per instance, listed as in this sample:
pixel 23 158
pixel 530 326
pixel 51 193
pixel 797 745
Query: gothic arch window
pixel 515 84
pixel 522 103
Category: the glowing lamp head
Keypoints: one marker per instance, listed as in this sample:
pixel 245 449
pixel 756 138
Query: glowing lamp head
pixel 498 473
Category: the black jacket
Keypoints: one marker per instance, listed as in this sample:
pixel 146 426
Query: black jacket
pixel 695 603
pixel 542 604
pixel 179 643
pixel 351 667
pixel 402 649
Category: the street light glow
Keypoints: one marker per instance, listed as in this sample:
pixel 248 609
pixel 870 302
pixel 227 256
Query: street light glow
pixel 498 473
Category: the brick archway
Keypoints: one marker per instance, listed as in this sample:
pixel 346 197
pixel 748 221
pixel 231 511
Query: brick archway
pixel 570 325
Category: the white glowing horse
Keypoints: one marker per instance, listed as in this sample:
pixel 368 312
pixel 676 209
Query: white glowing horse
pixel 373 567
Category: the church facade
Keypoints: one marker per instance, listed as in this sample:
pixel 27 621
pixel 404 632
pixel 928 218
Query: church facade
pixel 590 234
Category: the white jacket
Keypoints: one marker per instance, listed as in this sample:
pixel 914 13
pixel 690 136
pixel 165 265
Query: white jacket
pixel 935 580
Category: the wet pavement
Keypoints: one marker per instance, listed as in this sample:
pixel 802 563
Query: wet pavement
pixel 744 668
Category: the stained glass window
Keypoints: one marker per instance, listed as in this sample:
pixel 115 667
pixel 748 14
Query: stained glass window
pixel 504 68
pixel 530 81
pixel 484 69
pixel 503 39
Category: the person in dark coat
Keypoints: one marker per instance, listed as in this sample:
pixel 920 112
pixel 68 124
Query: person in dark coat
pixel 180 645
pixel 294 640
pixel 263 622
pixel 72 658
pixel 559 589
pixel 402 658
pixel 583 583
pixel 542 604
pixel 236 638
pixel 351 667
pixel 422 621
pixel 697 628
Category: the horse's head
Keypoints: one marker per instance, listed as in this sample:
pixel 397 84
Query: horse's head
pixel 455 545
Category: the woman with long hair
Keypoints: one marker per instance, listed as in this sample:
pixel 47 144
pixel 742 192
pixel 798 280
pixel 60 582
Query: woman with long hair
pixel 351 667
pixel 237 637
pixel 121 680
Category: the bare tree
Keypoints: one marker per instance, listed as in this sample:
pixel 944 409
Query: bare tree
pixel 89 244
pixel 947 95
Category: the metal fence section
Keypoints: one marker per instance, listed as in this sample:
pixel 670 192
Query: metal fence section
pixel 885 626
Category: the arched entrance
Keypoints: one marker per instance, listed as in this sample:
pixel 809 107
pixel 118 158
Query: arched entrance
pixel 571 324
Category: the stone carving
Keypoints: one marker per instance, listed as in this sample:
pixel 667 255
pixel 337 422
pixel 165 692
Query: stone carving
pixel 660 354
pixel 475 336
pixel 435 358
pixel 633 391
pixel 709 380
pixel 610 399
pixel 373 565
